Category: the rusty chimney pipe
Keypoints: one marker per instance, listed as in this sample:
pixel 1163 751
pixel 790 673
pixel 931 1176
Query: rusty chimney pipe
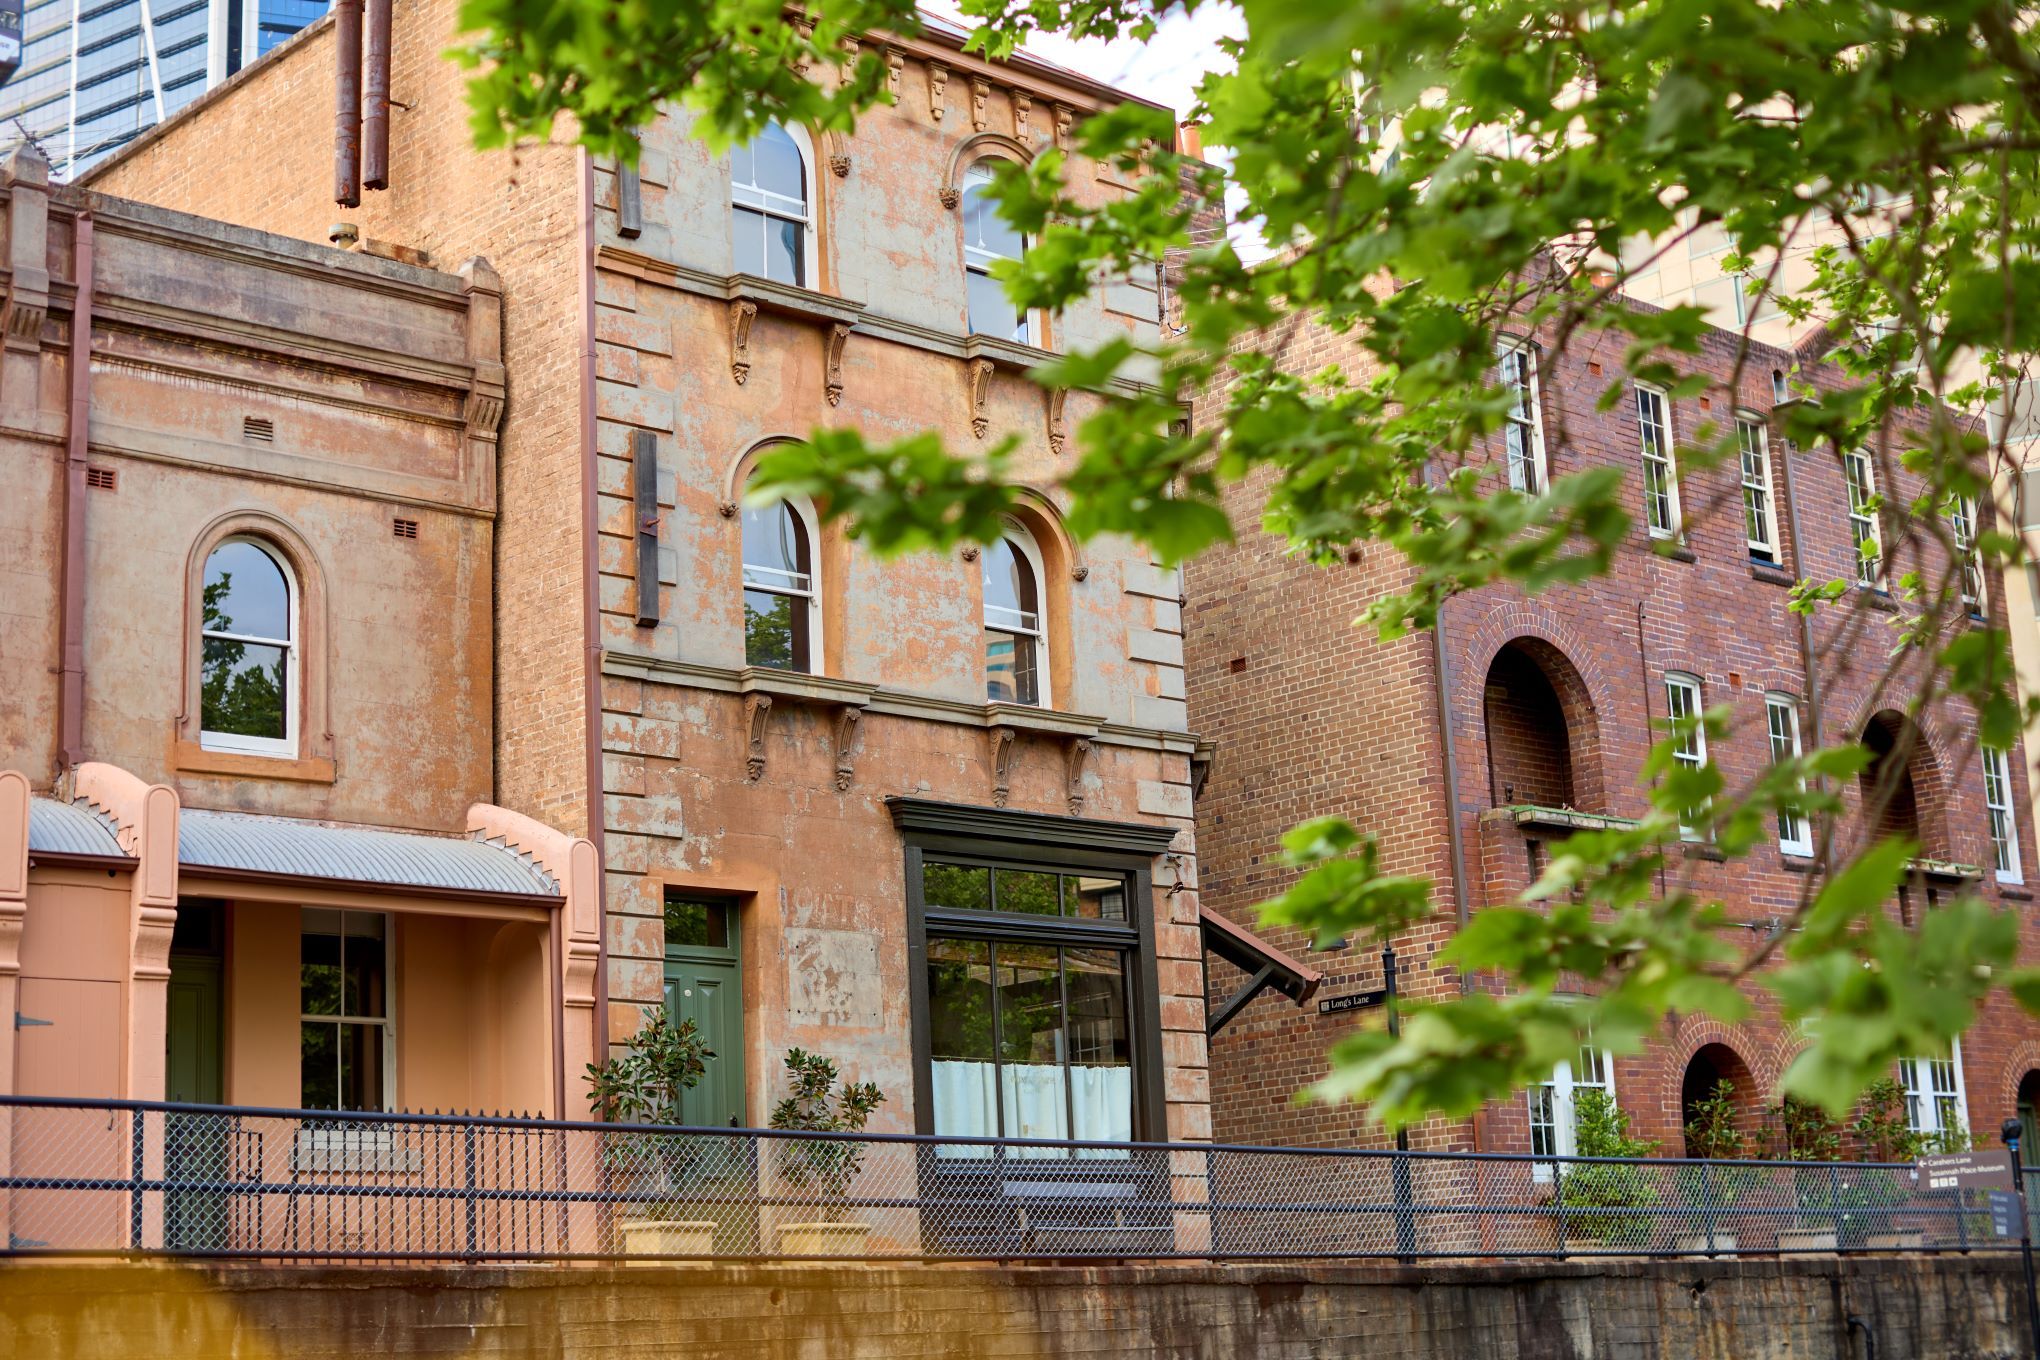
pixel 347 104
pixel 375 113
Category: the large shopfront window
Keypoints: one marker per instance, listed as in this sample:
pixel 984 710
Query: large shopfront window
pixel 1034 995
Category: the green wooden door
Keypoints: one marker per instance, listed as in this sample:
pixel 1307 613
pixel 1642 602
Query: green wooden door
pixel 195 1146
pixel 193 1070
pixel 704 983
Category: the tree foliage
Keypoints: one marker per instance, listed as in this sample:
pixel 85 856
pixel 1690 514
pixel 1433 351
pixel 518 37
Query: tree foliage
pixel 1432 179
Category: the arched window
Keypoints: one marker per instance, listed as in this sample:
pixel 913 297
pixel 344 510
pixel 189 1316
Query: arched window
pixel 769 208
pixel 248 643
pixel 1014 624
pixel 781 625
pixel 987 239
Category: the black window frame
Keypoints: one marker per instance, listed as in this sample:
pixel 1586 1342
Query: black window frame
pixel 1038 842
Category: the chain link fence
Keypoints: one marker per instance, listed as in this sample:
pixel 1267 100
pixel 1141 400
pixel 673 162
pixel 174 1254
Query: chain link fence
pixel 83 1177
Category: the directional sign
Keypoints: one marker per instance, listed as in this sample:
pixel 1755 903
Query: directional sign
pixel 1964 1171
pixel 1352 1001
pixel 2004 1213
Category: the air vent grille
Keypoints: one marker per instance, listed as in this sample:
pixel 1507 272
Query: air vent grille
pixel 404 528
pixel 101 479
pixel 259 429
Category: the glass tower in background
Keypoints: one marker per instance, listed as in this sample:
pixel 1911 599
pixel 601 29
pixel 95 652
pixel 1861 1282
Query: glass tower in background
pixel 96 74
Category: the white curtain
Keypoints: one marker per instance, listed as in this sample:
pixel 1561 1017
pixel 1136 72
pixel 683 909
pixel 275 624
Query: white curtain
pixel 966 1107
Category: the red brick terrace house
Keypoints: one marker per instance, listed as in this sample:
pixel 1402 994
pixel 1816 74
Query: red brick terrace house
pixel 1471 751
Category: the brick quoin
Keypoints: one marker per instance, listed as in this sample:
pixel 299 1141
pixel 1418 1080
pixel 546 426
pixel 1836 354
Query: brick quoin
pixel 1551 701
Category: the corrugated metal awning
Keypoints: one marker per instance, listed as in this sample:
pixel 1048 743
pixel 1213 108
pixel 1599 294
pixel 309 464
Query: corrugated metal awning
pixel 58 828
pixel 284 847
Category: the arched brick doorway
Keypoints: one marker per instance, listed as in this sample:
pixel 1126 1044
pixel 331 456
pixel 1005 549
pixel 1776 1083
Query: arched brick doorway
pixel 1709 1066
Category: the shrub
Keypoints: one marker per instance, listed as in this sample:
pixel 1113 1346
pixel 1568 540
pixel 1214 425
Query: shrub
pixel 1601 1129
pixel 644 1086
pixel 826 1166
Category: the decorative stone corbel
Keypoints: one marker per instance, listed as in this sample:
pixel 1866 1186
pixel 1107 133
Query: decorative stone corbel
pixel 938 84
pixel 980 391
pixel 801 60
pixel 951 195
pixel 757 714
pixel 968 552
pixel 845 737
pixel 832 363
pixel 727 509
pixel 980 98
pixel 1058 433
pixel 1000 741
pixel 26 303
pixel 1023 105
pixel 742 313
pixel 839 166
pixel 895 67
pixel 1075 754
pixel 850 48
pixel 1080 573
pixel 1063 118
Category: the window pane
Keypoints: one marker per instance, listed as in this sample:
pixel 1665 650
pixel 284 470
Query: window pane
pixel 319 1065
pixel 1031 1041
pixel 776 163
pixel 747 241
pixel 773 539
pixel 775 631
pixel 319 961
pixel 1101 1049
pixel 783 253
pixel 704 925
pixel 1010 668
pixel 245 592
pixel 960 1000
pixel 958 887
pixel 361 1067
pixel 363 964
pixel 983 228
pixel 1019 890
pixel 1095 899
pixel 1009 585
pixel 990 311
pixel 242 688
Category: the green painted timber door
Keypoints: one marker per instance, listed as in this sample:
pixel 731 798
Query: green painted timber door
pixel 196 1147
pixel 704 983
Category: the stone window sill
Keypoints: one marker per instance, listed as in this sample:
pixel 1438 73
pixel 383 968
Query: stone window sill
pixel 191 758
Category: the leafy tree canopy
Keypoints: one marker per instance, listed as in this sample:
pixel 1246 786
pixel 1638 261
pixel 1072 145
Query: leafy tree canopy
pixel 1432 178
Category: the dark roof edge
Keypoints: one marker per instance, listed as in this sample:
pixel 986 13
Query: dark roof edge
pixel 1037 828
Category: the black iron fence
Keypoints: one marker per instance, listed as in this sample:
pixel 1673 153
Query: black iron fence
pixel 123 1177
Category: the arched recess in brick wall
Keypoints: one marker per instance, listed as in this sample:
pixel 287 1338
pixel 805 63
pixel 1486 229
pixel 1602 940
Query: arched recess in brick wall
pixel 1542 733
pixel 1903 783
pixel 1700 1083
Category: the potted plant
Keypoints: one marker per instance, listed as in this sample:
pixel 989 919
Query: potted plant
pixel 1601 1129
pixel 822 1167
pixel 1712 1136
pixel 1807 1135
pixel 644 1086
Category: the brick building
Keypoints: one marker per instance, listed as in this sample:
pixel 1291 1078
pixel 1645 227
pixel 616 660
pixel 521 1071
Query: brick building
pixel 1471 750
pixel 843 803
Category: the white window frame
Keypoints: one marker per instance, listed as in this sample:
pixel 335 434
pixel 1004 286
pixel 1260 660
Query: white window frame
pixel 1781 722
pixel 2004 825
pixel 1685 697
pixel 1923 1095
pixel 774 581
pixel 1517 372
pixel 778 206
pixel 1019 624
pixel 1859 476
pixel 286 746
pixel 1961 514
pixel 978 260
pixel 1760 505
pixel 346 1139
pixel 1561 1128
pixel 1660 467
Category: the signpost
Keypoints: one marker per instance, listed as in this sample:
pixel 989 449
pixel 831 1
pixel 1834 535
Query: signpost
pixel 2010 1132
pixel 1963 1171
pixel 1384 995
pixel 1352 1001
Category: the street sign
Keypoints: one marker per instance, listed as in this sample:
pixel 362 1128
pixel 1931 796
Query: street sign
pixel 2004 1213
pixel 1352 1001
pixel 1964 1171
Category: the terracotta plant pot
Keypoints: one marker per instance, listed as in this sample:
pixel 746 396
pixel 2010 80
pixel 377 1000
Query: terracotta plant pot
pixel 1808 1239
pixel 823 1239
pixel 652 1237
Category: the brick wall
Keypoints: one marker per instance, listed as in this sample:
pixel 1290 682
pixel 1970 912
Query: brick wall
pixel 273 125
pixel 1313 716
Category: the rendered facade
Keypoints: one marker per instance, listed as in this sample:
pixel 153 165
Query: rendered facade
pixel 1471 752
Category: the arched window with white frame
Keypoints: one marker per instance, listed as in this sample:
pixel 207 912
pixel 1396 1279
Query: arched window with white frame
pixel 988 239
pixel 782 614
pixel 248 643
pixel 771 207
pixel 1016 626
